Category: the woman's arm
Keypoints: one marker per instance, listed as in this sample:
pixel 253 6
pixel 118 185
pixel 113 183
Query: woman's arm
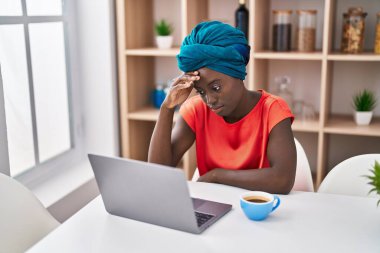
pixel 279 178
pixel 167 148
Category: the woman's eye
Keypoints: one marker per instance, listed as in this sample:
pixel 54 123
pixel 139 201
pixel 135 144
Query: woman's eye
pixel 216 88
pixel 201 92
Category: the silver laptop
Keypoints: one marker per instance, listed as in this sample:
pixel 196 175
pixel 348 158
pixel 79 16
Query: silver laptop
pixel 152 193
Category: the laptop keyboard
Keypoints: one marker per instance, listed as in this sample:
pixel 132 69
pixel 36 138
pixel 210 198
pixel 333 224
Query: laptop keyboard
pixel 202 218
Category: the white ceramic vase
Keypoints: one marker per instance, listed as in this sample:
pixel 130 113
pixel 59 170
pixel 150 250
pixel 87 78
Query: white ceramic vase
pixel 164 42
pixel 363 118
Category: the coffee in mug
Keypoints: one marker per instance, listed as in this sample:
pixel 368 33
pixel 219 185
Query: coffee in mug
pixel 257 205
pixel 257 199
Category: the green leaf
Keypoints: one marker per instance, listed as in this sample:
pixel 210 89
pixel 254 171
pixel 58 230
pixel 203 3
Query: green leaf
pixel 163 28
pixel 364 101
pixel 374 179
pixel 372 190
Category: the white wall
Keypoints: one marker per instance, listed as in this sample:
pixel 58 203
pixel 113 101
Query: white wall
pixel 96 43
pixel 4 157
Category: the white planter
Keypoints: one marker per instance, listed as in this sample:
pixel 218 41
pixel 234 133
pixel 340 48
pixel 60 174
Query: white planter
pixel 164 42
pixel 363 118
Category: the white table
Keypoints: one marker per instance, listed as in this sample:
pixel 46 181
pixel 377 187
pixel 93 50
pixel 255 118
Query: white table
pixel 304 222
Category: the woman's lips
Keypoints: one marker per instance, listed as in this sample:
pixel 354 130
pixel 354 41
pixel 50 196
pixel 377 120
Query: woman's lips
pixel 217 108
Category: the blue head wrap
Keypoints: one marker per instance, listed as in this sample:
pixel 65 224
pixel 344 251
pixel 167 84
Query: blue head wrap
pixel 217 46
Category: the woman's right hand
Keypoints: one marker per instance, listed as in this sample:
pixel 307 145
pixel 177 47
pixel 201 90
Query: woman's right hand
pixel 180 89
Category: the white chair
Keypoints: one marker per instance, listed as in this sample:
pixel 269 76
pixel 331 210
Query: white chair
pixel 23 219
pixel 347 177
pixel 303 180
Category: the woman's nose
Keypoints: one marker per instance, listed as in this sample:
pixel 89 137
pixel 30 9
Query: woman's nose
pixel 210 100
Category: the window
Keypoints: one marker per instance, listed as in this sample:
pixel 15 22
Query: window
pixel 35 84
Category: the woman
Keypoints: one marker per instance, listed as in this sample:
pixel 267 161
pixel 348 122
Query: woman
pixel 243 138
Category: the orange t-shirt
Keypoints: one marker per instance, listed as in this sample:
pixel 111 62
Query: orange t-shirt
pixel 237 146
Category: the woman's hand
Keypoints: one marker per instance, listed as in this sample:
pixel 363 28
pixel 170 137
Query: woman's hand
pixel 211 176
pixel 180 89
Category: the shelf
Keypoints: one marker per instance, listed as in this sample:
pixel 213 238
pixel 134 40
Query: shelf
pixel 152 52
pixel 288 55
pixel 317 76
pixel 354 57
pixel 316 56
pixel 346 125
pixel 305 126
pixel 151 114
pixel 147 114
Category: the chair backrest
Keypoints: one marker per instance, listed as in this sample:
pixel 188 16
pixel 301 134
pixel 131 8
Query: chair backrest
pixel 347 177
pixel 303 180
pixel 23 219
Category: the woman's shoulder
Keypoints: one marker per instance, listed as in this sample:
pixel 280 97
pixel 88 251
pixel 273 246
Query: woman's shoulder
pixel 269 99
pixel 194 102
pixel 193 105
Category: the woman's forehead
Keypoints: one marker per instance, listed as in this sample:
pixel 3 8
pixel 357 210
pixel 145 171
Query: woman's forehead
pixel 208 75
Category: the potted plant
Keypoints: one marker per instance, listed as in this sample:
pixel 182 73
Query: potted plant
pixel 364 102
pixel 374 179
pixel 164 39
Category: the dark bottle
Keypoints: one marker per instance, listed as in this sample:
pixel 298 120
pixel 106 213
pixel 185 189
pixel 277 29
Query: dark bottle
pixel 241 18
pixel 282 30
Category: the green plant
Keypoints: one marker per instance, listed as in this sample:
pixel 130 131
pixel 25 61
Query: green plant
pixel 374 179
pixel 364 101
pixel 163 28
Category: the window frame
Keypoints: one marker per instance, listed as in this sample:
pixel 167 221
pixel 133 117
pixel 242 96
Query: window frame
pixel 74 154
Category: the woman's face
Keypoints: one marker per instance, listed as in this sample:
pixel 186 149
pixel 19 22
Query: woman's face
pixel 221 93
